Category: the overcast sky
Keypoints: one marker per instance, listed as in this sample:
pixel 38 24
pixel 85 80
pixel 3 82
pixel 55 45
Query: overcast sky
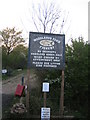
pixel 15 13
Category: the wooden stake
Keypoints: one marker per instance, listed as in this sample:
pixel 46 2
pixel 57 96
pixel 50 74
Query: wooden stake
pixel 44 99
pixel 62 95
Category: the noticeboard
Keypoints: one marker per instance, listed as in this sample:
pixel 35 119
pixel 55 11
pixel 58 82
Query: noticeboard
pixel 46 50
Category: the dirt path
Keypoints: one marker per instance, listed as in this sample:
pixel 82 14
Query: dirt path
pixel 9 87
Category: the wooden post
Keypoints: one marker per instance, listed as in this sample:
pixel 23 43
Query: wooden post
pixel 22 82
pixel 62 95
pixel 44 99
pixel 27 95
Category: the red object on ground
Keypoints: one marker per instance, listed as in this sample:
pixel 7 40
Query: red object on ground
pixel 19 90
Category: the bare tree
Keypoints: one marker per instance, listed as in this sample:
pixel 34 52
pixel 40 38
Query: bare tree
pixel 48 17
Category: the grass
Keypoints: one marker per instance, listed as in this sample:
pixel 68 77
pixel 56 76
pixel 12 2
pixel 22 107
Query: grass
pixel 13 74
pixel 7 111
pixel 35 102
pixel 16 72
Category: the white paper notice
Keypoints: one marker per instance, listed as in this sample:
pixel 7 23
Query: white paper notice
pixel 45 87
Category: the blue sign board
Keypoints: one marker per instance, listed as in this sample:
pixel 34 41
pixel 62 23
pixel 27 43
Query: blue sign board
pixel 46 50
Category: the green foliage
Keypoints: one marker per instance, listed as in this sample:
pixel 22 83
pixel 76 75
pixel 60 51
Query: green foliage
pixel 17 59
pixel 76 76
pixel 11 38
pixel 14 54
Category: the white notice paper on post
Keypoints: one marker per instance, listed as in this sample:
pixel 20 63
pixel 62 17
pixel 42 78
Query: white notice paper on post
pixel 45 87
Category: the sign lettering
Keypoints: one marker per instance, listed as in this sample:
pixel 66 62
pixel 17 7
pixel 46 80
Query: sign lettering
pixel 45 113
